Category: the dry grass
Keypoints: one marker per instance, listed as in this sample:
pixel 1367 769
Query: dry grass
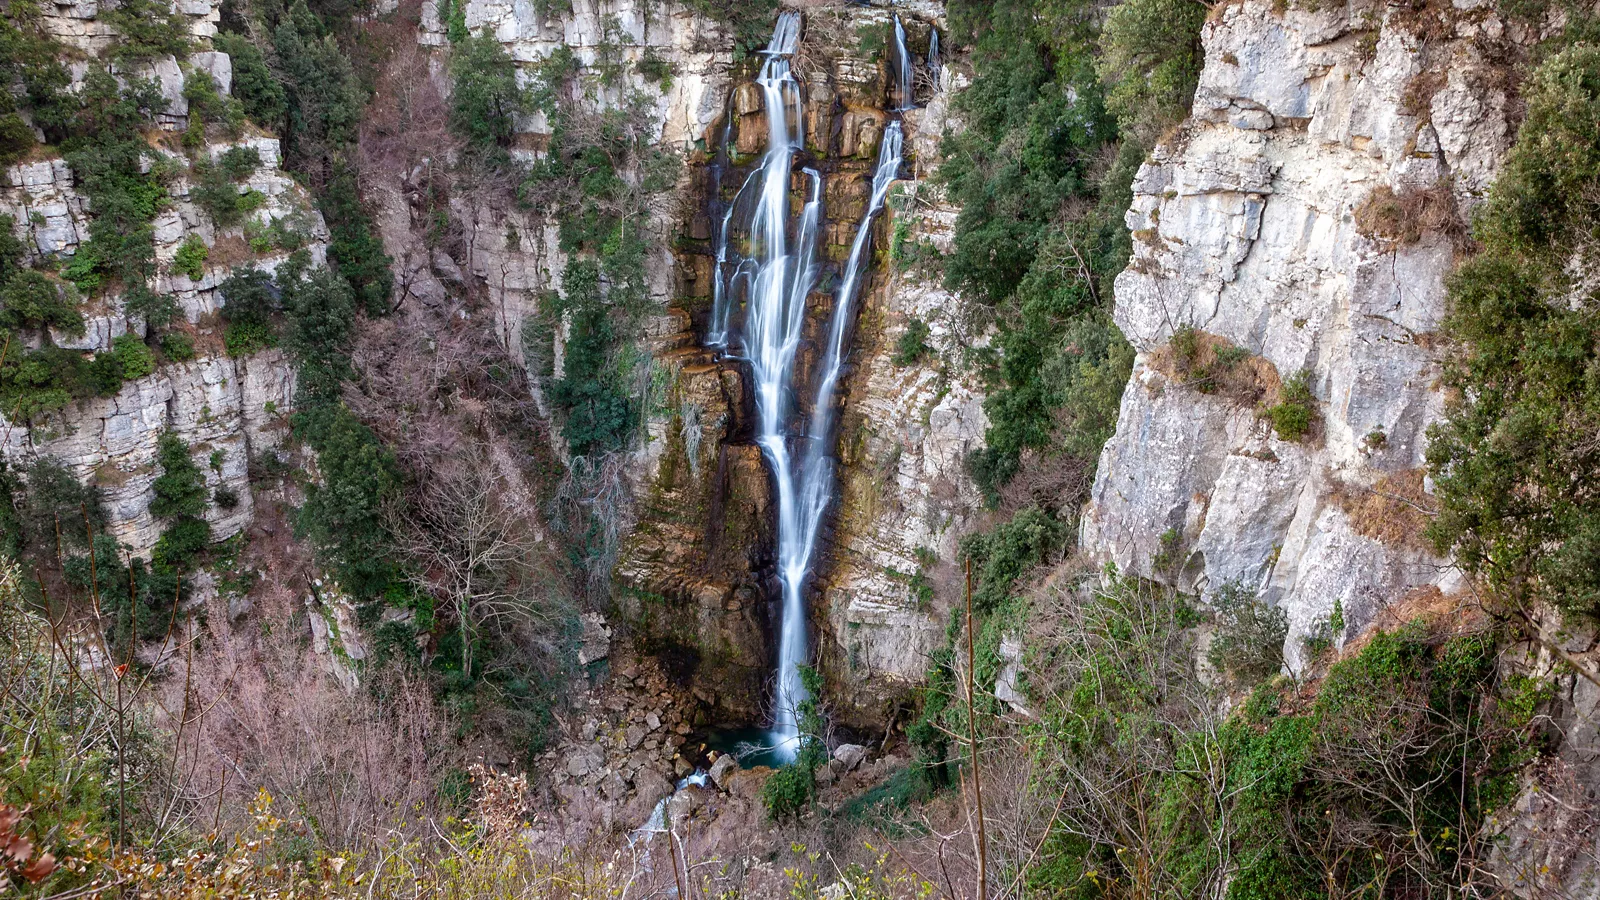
pixel 1394 511
pixel 229 250
pixel 1402 218
pixel 1212 364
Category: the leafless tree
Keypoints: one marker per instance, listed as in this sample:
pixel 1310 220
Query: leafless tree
pixel 475 548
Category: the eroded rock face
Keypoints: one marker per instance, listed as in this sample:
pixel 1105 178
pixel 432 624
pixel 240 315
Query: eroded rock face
pixel 1246 227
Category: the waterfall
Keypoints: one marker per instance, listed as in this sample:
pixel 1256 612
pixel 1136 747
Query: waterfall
pixel 935 63
pixel 766 261
pixel 903 61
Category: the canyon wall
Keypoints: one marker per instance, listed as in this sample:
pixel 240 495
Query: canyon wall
pixel 1260 223
pixel 228 409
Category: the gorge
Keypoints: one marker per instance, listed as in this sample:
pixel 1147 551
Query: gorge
pixel 799 448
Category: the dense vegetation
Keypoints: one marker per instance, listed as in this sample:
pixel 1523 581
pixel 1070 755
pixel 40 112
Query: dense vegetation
pixel 1380 783
pixel 1060 114
pixel 1513 459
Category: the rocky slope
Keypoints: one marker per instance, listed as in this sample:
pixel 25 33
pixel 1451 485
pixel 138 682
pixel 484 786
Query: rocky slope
pixel 1259 223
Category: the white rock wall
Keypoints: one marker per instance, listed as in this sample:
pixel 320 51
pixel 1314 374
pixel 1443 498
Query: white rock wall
pixel 1244 226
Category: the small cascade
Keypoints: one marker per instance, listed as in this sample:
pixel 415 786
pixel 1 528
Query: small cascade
pixel 935 61
pixel 766 265
pixel 903 83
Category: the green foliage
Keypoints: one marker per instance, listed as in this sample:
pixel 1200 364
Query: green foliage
pixel 16 138
pixel 217 192
pixel 263 98
pixel 1382 785
pixel 598 414
pixel 179 496
pixel 134 357
pixel 190 259
pixel 788 792
pixel 324 96
pixel 1057 120
pixel 32 299
pixel 913 344
pixel 47 497
pixel 122 177
pixel 180 489
pixel 13 253
pixel 147 29
pixel 1296 410
pixel 1515 475
pixel 344 516
pixel 177 346
pixel 321 310
pixel 355 248
pixel 597 181
pixel 453 15
pixel 1248 643
pixel 1150 63
pixel 249 302
pixel 485 98
pixel 1004 554
pixel 208 107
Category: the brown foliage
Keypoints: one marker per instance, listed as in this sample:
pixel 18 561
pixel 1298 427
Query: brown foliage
pixel 1402 218
pixel 1212 364
pixel 1395 511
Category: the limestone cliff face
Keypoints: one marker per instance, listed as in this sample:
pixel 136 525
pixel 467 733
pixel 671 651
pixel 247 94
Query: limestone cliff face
pixel 1256 224
pixel 907 427
pixel 237 406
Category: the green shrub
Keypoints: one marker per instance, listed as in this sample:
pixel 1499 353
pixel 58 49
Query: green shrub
pixel 1511 457
pixel 789 791
pixel 1295 412
pixel 344 517
pixel 485 97
pixel 1150 63
pixel 253 82
pixel 913 344
pixel 177 346
pixel 16 138
pixel 245 338
pixel 239 163
pixel 217 193
pixel 225 497
pixel 147 29
pixel 180 489
pixel 33 300
pixel 181 545
pixel 1248 643
pixel 133 356
pixel 191 258
pixel 208 107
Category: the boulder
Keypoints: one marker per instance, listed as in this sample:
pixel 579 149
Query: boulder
pixel 723 769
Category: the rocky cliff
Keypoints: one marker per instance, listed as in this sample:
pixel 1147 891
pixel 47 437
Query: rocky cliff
pixel 1303 220
pixel 694 576
pixel 228 409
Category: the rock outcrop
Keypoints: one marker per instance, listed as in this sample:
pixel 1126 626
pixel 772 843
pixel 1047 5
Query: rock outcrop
pixel 1262 223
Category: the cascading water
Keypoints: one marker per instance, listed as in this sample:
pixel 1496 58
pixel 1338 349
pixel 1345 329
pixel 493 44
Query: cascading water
pixel 935 62
pixel 903 61
pixel 772 276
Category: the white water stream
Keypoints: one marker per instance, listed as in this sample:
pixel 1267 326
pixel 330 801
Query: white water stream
pixel 774 276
